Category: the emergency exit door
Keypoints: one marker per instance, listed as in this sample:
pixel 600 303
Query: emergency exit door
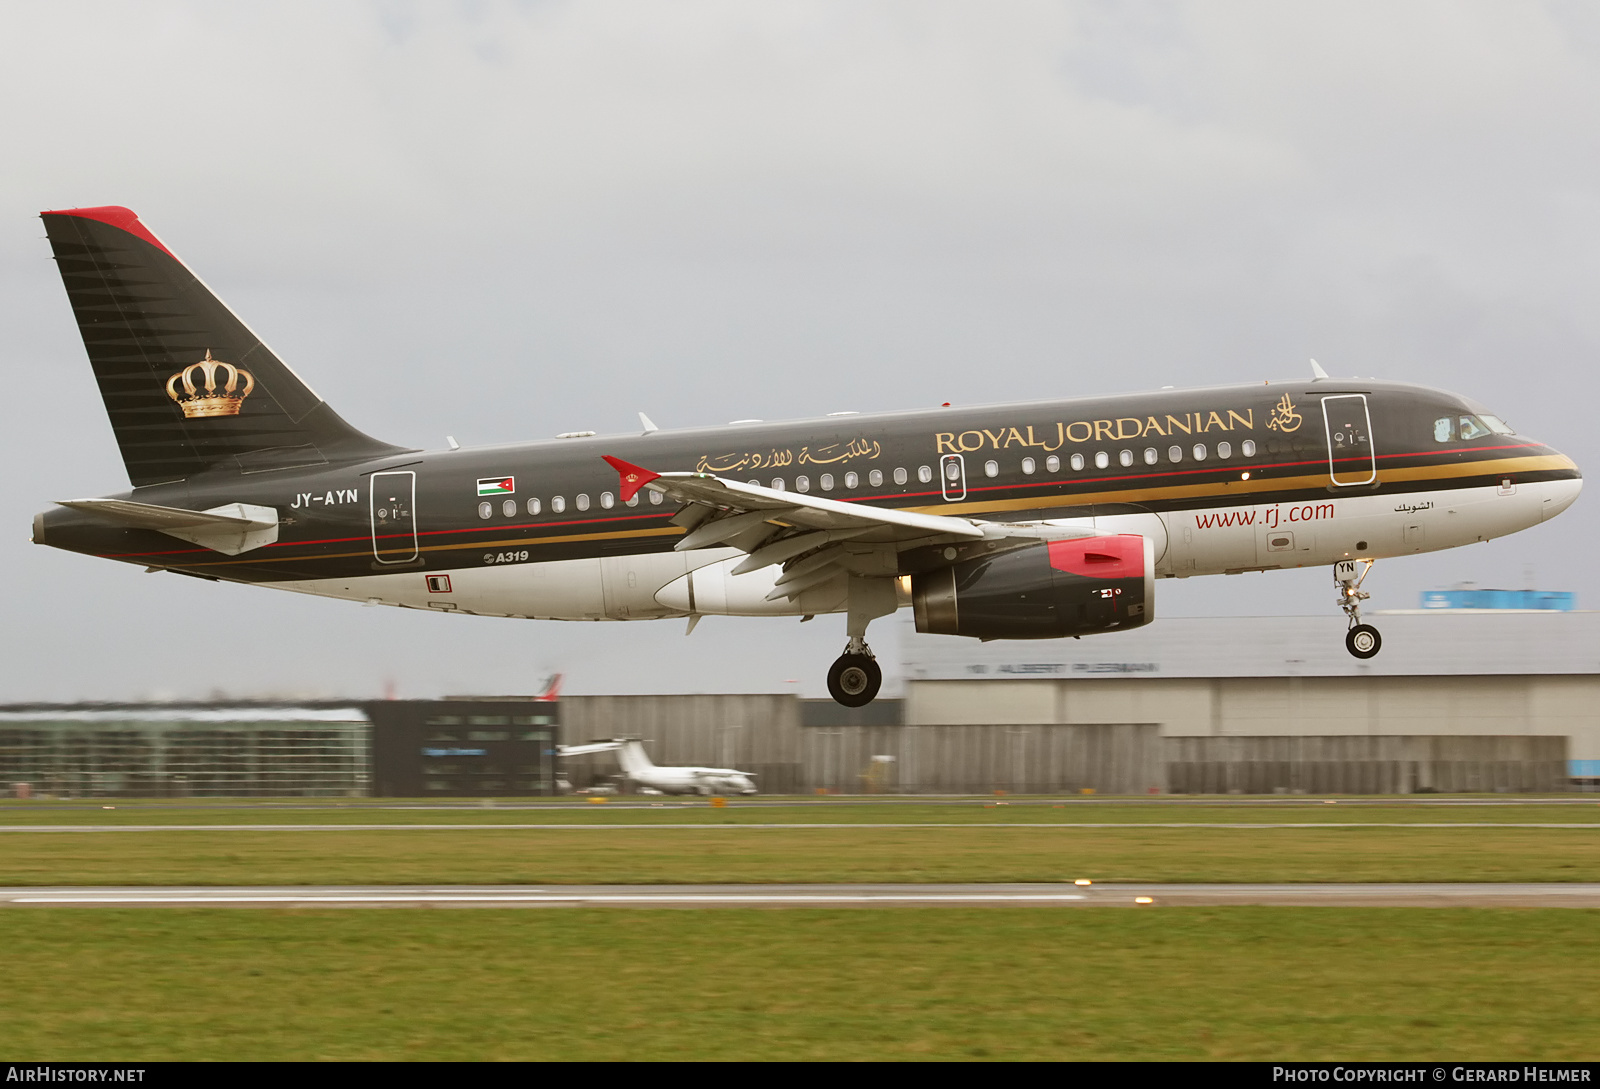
pixel 953 475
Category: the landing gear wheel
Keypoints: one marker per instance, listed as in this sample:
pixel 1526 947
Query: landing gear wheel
pixel 854 679
pixel 1363 641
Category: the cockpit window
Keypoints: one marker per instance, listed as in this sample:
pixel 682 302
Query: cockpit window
pixel 1466 428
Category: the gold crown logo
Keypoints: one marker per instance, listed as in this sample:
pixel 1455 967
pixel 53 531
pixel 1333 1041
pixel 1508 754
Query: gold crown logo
pixel 201 400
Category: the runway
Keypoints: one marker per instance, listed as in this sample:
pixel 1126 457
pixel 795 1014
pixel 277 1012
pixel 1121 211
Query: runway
pixel 795 896
pixel 732 825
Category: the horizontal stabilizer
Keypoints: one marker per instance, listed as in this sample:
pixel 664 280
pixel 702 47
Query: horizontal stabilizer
pixel 229 529
pixel 591 747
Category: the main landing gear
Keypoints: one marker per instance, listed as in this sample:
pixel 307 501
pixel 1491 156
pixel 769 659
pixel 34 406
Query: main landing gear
pixel 855 678
pixel 1362 640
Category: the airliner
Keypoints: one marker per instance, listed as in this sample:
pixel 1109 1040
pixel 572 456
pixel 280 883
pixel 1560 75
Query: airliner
pixel 652 779
pixel 1034 520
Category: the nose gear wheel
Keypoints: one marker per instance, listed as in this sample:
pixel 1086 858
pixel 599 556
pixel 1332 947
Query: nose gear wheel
pixel 1362 640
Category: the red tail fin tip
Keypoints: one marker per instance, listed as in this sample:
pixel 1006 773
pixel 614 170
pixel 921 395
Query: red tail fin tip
pixel 633 477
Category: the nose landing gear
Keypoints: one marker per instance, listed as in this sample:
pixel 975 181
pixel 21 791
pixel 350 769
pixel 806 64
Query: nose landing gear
pixel 1362 640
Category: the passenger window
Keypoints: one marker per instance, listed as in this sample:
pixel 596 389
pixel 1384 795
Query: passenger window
pixel 991 468
pixel 1151 455
pixel 1443 429
pixel 558 504
pixel 633 500
pixel 875 478
pixel 607 500
pixel 1199 451
pixel 1125 458
pixel 952 470
pixel 899 476
pixel 1077 461
pixel 826 481
pixel 1027 466
pixel 583 501
pixel 655 497
pixel 1248 448
pixel 1174 454
pixel 533 506
pixel 925 473
pixel 777 484
pixel 1052 464
pixel 1101 459
pixel 485 510
pixel 1224 450
pixel 802 483
pixel 851 480
pixel 1471 428
pixel 509 508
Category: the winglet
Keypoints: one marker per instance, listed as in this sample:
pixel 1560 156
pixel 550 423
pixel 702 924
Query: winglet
pixel 633 477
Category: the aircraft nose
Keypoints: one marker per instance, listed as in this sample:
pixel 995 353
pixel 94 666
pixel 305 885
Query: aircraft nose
pixel 1558 496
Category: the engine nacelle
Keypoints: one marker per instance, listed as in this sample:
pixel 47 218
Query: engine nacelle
pixel 1041 590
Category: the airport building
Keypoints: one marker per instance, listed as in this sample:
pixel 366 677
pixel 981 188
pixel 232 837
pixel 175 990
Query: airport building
pixel 388 748
pixel 1458 700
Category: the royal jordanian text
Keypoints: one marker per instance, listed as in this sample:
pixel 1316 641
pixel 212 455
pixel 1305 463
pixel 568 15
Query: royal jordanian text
pixel 1055 436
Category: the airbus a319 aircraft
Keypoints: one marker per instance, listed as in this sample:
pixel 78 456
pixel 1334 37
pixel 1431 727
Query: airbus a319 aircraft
pixel 1016 521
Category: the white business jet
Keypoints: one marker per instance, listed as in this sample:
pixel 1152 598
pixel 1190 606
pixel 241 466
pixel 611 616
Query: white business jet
pixel 637 765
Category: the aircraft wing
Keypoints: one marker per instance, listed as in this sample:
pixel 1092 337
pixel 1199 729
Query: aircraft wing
pixel 782 526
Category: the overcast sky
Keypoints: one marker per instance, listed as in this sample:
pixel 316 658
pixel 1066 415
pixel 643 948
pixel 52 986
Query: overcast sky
pixel 505 220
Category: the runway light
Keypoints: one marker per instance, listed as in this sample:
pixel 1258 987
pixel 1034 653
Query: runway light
pixel 108 807
pixel 597 801
pixel 1144 900
pixel 1083 881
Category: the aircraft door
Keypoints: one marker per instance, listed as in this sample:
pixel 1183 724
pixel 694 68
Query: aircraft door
pixel 392 502
pixel 953 475
pixel 1351 459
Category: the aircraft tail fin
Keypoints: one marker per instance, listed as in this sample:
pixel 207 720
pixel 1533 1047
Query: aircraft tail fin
pixel 633 758
pixel 187 385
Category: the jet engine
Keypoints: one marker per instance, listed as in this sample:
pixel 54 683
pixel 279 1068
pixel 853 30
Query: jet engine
pixel 1041 590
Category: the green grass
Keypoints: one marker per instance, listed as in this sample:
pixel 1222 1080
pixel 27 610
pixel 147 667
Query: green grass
pixel 733 854
pixel 994 984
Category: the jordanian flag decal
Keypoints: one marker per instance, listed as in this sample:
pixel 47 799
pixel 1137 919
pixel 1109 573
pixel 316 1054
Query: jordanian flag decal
pixel 497 485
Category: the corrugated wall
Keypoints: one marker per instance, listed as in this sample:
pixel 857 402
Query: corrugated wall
pixel 1344 764
pixel 1108 758
pixel 763 734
